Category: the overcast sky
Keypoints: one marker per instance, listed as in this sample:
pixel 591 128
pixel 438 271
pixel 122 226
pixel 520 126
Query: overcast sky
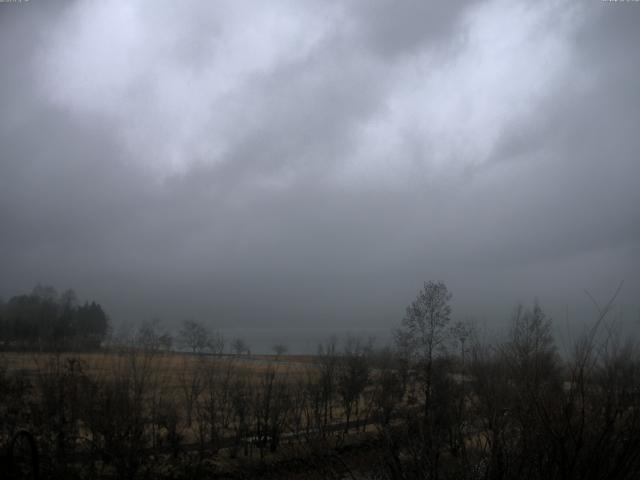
pixel 311 163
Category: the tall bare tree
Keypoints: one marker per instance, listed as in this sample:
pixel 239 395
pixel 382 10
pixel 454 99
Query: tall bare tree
pixel 424 330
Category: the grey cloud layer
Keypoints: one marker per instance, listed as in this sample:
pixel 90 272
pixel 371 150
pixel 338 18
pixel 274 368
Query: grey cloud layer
pixel 315 162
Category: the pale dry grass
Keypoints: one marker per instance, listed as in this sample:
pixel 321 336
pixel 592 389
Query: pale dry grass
pixel 171 366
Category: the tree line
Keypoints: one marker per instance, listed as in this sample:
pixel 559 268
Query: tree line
pixel 45 319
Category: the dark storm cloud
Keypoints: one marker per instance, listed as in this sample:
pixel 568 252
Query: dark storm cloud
pixel 313 163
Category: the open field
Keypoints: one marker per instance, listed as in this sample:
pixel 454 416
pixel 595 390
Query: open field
pixel 168 364
pixel 134 402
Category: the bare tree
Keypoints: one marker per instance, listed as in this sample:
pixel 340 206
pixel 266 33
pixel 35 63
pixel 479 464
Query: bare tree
pixel 280 349
pixel 423 336
pixel 241 412
pixel 328 363
pixel 353 376
pixel 215 407
pixel 272 403
pixel 389 384
pixel 461 331
pixel 239 346
pixel 194 336
pixel 149 336
pixel 216 343
pixel 424 331
pixel 191 378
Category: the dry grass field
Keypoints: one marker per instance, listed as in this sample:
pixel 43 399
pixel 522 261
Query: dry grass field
pixel 180 377
pixel 191 383
pixel 169 365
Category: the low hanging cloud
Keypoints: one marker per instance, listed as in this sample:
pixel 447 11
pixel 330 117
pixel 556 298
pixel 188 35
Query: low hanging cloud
pixel 300 163
pixel 189 84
